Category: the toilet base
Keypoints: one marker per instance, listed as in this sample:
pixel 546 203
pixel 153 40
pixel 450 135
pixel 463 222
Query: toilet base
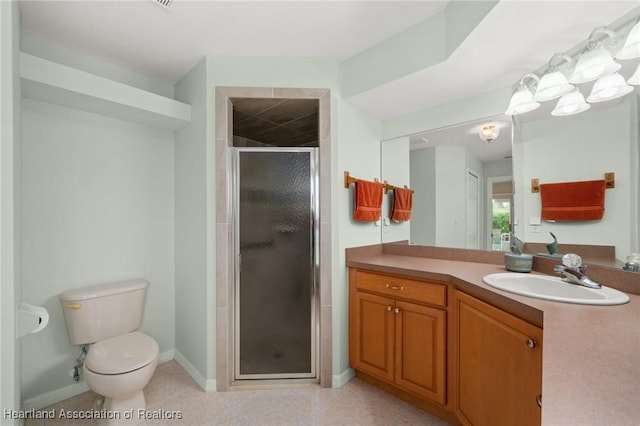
pixel 123 411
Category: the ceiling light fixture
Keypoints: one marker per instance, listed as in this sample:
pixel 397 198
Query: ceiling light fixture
pixel 522 100
pixel 631 48
pixel 488 132
pixel 570 104
pixel 609 87
pixel 553 83
pixel 596 61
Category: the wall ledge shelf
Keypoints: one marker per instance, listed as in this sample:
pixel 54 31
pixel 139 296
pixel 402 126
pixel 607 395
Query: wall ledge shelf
pixel 66 86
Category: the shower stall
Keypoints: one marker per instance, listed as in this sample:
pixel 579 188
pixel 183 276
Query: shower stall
pixel 276 233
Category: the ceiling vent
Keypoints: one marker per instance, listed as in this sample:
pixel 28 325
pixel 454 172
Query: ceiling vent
pixel 165 3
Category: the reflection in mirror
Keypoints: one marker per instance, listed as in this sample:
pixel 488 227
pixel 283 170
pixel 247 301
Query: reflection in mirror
pixel 454 183
pixel 581 147
pixel 443 163
pixel 462 182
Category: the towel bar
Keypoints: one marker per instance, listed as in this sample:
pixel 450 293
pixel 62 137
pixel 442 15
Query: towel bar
pixel 609 177
pixel 348 179
pixel 388 187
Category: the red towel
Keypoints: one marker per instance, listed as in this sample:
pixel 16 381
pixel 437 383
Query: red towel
pixel 402 203
pixel 573 201
pixel 368 202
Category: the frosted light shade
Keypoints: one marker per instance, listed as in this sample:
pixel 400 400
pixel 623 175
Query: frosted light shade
pixel 522 101
pixel 609 87
pixel 631 48
pixel 572 103
pixel 594 64
pixel 552 86
pixel 635 78
pixel 489 132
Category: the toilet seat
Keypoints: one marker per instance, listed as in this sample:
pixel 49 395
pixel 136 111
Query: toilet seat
pixel 121 354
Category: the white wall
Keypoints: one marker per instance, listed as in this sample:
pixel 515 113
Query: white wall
pixel 98 200
pixel 396 171
pixel 10 257
pixel 497 168
pixel 358 145
pixel 438 176
pixel 358 148
pixel 423 181
pixel 451 207
pixel 194 293
pixel 575 148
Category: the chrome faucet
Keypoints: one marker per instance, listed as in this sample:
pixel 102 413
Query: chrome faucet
pixel 572 271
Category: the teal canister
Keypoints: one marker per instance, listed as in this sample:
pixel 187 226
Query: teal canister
pixel 518 262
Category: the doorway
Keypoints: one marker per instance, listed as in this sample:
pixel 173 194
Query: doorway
pixel 276 226
pixel 226 100
pixel 500 212
pixel 473 209
pixel 276 268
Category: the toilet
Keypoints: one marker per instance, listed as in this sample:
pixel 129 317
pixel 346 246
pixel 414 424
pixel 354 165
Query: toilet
pixel 120 361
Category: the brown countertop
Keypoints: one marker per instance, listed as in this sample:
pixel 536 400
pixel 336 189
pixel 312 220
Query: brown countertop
pixel 591 354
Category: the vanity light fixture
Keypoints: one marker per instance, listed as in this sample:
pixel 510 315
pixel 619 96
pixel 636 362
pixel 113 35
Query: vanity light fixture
pixel 631 48
pixel 488 132
pixel 609 87
pixel 593 62
pixel 596 61
pixel 522 100
pixel 570 104
pixel 635 78
pixel 553 83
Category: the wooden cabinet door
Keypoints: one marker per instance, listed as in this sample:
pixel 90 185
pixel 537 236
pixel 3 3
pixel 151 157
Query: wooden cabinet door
pixel 420 350
pixel 373 337
pixel 498 361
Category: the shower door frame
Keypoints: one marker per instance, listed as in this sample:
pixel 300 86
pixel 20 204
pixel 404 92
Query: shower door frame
pixel 315 262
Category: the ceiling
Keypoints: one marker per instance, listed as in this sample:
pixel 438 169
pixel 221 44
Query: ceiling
pixel 515 37
pixel 165 43
pixel 466 135
pixel 276 122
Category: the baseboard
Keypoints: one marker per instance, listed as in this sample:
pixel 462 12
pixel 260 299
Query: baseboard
pixel 55 396
pixel 339 380
pixel 208 385
pixel 166 356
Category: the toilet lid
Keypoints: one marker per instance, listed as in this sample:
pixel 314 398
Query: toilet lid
pixel 121 354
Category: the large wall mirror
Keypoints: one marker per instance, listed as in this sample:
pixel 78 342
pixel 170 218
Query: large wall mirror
pixel 470 192
pixel 462 183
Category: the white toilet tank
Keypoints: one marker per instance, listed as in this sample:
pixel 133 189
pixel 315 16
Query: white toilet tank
pixel 101 311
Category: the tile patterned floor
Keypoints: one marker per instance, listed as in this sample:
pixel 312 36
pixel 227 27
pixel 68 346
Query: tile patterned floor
pixel 171 388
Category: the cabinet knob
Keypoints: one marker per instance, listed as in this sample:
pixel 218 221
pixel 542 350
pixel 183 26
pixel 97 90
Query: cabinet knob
pixel 395 287
pixel 396 310
pixel 539 400
pixel 389 308
pixel 531 343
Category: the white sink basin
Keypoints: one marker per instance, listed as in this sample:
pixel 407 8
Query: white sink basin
pixel 553 288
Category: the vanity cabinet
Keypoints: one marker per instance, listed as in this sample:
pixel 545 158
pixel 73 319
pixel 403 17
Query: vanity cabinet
pixel 497 365
pixel 397 329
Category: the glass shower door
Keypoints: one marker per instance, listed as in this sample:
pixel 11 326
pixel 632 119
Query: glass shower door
pixel 276 266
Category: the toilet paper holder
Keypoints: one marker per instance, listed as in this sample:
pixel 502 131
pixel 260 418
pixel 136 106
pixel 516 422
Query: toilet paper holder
pixel 31 319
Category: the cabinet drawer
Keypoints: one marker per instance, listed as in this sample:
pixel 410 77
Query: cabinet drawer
pixel 402 288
